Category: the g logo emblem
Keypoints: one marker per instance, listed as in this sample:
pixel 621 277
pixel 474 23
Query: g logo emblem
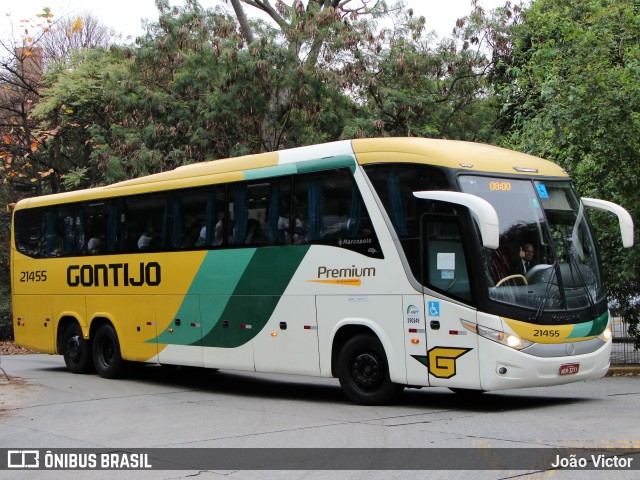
pixel 441 361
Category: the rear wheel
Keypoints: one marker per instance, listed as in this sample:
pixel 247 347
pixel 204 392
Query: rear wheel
pixel 76 350
pixel 106 353
pixel 364 372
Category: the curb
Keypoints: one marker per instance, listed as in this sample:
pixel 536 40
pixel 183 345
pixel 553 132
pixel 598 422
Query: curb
pixel 623 370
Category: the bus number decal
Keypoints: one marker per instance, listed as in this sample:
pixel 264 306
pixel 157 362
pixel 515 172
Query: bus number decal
pixel 35 276
pixel 546 333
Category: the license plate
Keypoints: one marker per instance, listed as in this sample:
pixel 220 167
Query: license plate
pixel 569 368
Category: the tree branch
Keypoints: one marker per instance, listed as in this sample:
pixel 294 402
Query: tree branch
pixel 242 20
pixel 267 8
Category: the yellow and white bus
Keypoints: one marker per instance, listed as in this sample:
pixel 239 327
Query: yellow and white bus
pixel 383 262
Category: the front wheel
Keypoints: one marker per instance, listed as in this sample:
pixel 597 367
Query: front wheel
pixel 364 372
pixel 106 352
pixel 76 350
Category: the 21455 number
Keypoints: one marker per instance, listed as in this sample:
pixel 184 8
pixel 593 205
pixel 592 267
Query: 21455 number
pixel 35 276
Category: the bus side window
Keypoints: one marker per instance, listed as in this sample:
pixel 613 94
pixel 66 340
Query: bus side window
pixel 58 231
pixel 28 231
pixel 444 261
pixel 143 223
pixel 259 213
pixel 92 229
pixel 188 219
pixel 197 218
pixel 328 208
pixel 278 227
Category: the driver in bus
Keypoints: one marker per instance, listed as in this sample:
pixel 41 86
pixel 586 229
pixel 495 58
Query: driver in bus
pixel 525 261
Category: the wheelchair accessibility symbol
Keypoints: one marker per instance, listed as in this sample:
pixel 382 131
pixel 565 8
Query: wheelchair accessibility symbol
pixel 434 309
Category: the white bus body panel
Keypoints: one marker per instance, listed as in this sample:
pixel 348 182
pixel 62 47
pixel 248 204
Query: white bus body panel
pixel 452 349
pixel 382 314
pixel 187 355
pixel 528 371
pixel 415 339
pixel 289 341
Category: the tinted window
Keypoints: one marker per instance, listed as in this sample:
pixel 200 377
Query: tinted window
pixel 197 218
pixel 28 231
pixel 259 212
pixel 58 231
pixel 395 184
pixel 445 266
pixel 142 224
pixel 96 224
pixel 328 209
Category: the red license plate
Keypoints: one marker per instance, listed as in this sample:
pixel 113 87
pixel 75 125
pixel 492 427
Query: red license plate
pixel 569 368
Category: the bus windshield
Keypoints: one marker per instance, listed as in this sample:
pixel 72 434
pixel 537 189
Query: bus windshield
pixel 546 259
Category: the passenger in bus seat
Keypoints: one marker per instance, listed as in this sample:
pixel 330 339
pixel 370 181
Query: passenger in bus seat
pixel 146 239
pixel 255 235
pixel 191 236
pixel 94 246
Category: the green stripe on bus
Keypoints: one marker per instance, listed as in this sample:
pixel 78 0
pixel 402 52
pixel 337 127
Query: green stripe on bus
pixel 590 329
pixel 255 297
pixel 268 172
pixel 208 295
pixel 326 164
pixel 233 295
pixel 599 324
pixel 301 167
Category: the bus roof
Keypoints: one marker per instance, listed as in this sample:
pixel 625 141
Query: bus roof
pixel 474 157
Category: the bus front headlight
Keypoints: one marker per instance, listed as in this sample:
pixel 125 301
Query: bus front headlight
pixel 606 334
pixel 508 339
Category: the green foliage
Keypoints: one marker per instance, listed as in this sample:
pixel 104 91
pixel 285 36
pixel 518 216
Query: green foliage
pixel 188 92
pixel 75 109
pixel 415 85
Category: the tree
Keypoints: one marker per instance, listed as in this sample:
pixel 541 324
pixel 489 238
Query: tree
pixel 73 33
pixel 191 90
pixel 323 38
pixel 33 162
pixel 21 70
pixel 571 90
pixel 414 84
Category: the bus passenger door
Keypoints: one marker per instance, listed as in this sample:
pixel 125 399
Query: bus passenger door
pixel 452 350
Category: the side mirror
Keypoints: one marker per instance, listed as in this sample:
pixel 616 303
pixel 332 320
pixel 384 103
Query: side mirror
pixel 626 223
pixel 481 210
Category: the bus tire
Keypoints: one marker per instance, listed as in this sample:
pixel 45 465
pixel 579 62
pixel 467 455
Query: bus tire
pixel 364 372
pixel 76 350
pixel 106 352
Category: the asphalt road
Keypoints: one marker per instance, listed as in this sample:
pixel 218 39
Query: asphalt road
pixel 44 406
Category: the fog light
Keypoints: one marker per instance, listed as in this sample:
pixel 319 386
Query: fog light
pixel 502 370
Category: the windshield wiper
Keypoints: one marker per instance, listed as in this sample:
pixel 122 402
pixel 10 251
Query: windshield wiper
pixel 573 263
pixel 543 301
